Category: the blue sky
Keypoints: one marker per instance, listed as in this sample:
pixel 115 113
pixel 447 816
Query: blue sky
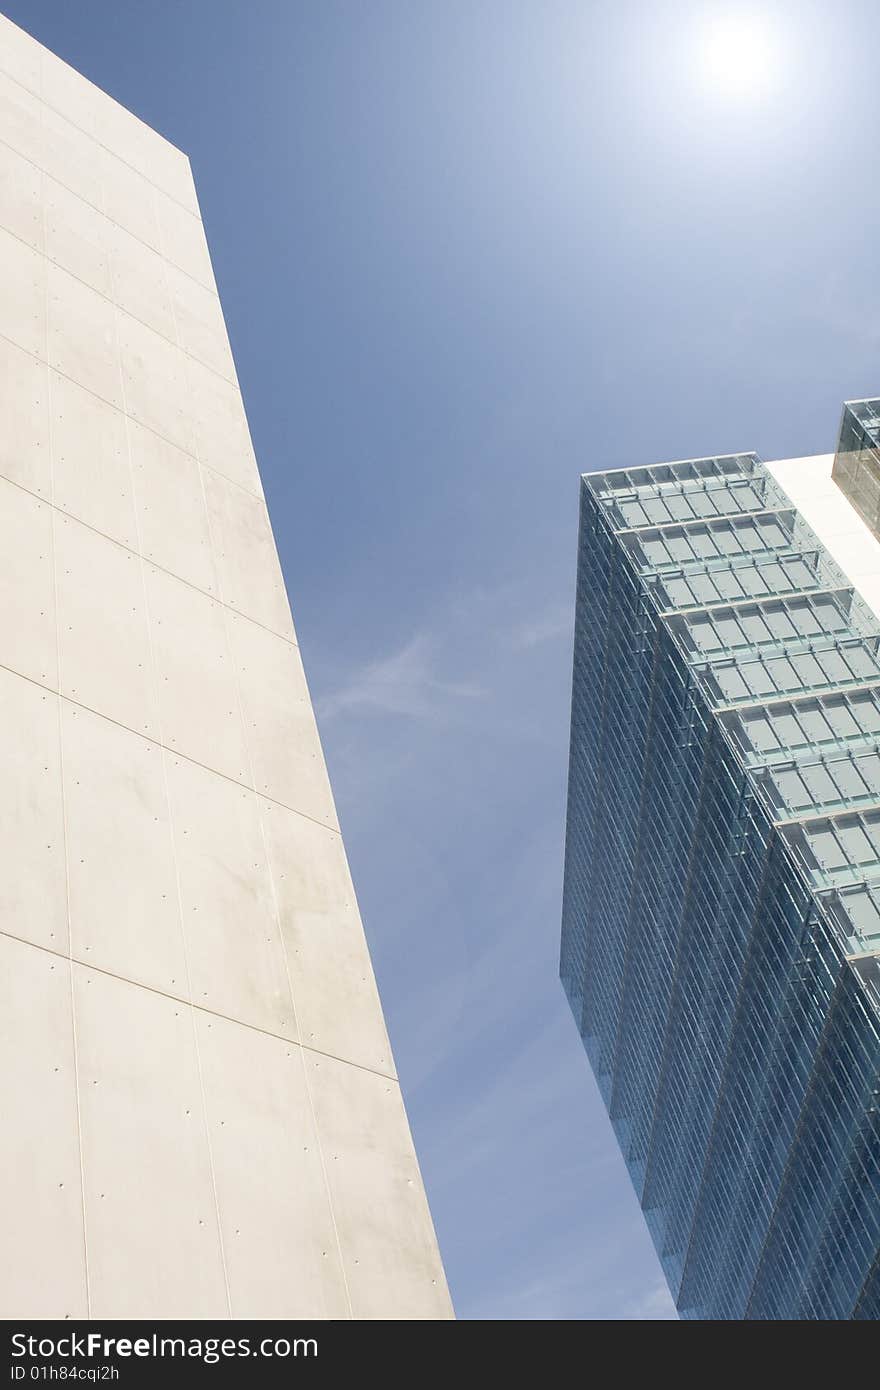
pixel 467 250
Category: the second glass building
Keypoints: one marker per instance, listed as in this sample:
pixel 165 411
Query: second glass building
pixel 721 920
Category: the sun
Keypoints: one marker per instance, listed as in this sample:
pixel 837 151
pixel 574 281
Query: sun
pixel 738 54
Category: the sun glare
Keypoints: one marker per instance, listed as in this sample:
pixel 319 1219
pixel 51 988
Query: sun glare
pixel 738 55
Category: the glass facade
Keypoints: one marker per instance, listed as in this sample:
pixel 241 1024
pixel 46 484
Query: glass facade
pixel 721 909
pixel 857 461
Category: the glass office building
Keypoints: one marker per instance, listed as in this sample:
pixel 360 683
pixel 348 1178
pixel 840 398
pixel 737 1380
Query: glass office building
pixel 721 914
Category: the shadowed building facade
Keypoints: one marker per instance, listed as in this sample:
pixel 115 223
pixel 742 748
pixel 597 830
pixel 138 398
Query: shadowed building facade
pixel 201 1116
pixel 721 910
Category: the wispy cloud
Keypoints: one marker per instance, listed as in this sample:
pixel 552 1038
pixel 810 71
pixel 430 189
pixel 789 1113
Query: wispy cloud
pixel 405 684
pixel 548 627
pixel 452 743
pixel 459 666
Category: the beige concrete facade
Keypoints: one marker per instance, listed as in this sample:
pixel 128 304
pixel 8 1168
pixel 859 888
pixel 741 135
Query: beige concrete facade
pixel 834 519
pixel 200 1113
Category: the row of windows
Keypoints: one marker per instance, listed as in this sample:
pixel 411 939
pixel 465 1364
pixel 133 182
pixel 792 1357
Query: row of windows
pixel 833 783
pixel 750 678
pixel 721 543
pixel 704 588
pixel 810 724
pixel 673 477
pixel 696 491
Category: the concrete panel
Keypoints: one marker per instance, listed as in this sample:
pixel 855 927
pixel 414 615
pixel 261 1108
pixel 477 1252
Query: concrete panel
pixel 71 157
pixel 334 990
pixel 128 138
pixel 24 419
pixel 78 237
pixel 96 113
pixel 145 150
pixel 282 736
pixel 154 1248
pixel 200 326
pixel 33 889
pixel 221 431
pixel 236 960
pixel 21 209
pixel 103 636
pixel 22 294
pixel 172 517
pixel 814 472
pixel 198 699
pixel 139 282
pixel 862 553
pixel 21 119
pixel 171 171
pixel 182 239
pixel 244 551
pixel 27 603
pixel 832 513
pixel 809 485
pixel 387 1238
pixel 42 1274
pixel 281 1252
pixel 19 55
pixel 82 336
pixel 70 94
pixel 129 200
pixel 868 586
pixel 154 373
pixel 137 145
pixel 91 473
pixel 124 910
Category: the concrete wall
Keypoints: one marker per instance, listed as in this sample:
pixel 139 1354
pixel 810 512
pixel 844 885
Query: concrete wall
pixel 824 507
pixel 200 1111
